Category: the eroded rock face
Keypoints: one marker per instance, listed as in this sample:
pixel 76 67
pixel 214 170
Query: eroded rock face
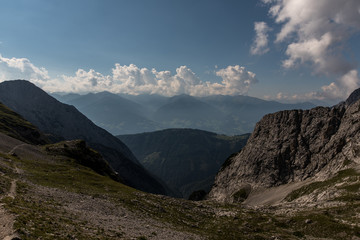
pixel 291 146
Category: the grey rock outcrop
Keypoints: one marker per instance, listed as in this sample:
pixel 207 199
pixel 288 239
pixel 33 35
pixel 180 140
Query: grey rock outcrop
pixel 292 146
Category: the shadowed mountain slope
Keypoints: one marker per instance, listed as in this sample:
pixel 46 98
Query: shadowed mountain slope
pixel 185 159
pixel 65 122
pixel 14 125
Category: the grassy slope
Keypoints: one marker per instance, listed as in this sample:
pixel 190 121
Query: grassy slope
pixel 12 124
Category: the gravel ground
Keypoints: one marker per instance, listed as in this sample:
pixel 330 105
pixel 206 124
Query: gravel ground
pixel 115 220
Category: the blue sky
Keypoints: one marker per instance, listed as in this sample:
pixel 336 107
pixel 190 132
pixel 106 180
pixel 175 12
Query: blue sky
pixel 196 47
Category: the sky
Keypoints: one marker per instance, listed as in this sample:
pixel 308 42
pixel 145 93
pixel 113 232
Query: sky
pixel 285 50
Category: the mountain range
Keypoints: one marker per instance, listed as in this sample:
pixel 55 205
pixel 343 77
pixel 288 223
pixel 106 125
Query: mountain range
pixel 128 114
pixel 297 177
pixel 187 160
pixel 64 122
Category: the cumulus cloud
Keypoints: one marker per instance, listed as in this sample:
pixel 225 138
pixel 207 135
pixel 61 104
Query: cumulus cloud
pixel 343 87
pixel 332 93
pixel 316 33
pixel 131 79
pixel 236 79
pixel 260 45
pixel 21 68
pixel 82 81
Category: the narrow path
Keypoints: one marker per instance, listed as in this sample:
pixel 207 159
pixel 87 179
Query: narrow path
pixel 6 219
pixel 12 191
pixel 16 147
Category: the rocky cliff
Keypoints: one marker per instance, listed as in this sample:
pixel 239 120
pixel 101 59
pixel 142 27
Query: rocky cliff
pixel 292 146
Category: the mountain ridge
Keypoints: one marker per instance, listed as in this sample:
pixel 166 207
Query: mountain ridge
pixel 230 115
pixel 65 122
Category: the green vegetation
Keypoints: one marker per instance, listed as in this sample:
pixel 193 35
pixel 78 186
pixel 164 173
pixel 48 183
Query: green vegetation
pixel 65 173
pixel 78 151
pixel 350 174
pixel 325 223
pixel 12 124
pixel 4 185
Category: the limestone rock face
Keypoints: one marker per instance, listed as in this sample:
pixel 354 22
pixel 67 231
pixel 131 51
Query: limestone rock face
pixel 291 146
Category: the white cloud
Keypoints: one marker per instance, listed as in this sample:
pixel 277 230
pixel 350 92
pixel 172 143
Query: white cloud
pixel 134 80
pixel 260 45
pixel 131 79
pixel 20 68
pixel 236 79
pixel 83 81
pixel 343 87
pixel 316 33
pixel 334 92
pixel 313 50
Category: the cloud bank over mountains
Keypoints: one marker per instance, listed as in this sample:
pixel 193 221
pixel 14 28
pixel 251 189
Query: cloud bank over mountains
pixel 316 35
pixel 131 79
